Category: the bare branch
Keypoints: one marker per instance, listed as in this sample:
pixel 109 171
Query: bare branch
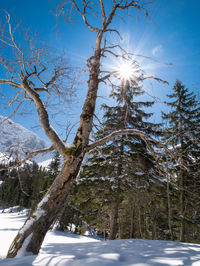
pixel 13 41
pixel 152 59
pixel 111 16
pixel 20 184
pixel 15 111
pixel 131 4
pixel 15 98
pixel 103 11
pixel 29 156
pixel 76 76
pixel 44 119
pixel 10 82
pixel 107 76
pixel 114 134
pixel 155 78
pixel 41 90
pixel 4 63
pixel 82 13
pixel 115 31
pixel 34 153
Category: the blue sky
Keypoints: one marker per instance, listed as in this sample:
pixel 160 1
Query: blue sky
pixel 172 35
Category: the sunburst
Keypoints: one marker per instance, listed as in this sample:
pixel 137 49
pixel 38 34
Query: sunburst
pixel 126 70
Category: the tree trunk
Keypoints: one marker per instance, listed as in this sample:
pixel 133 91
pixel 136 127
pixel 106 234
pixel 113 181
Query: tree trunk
pixel 153 228
pixel 113 220
pixel 182 210
pixel 119 228
pixel 140 223
pixel 181 176
pixel 169 210
pixel 132 231
pixel 31 235
pixel 104 233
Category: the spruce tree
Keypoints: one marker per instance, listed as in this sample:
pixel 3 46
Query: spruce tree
pixel 22 186
pixel 121 165
pixel 54 168
pixel 183 134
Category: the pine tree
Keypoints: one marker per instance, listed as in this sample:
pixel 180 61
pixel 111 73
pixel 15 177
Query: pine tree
pixel 22 186
pixel 54 168
pixel 120 166
pixel 183 134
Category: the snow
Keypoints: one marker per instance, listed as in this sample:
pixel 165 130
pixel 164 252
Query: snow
pixel 35 216
pixel 4 159
pixel 22 252
pixel 139 173
pixel 16 138
pixel 44 200
pixel 69 145
pixel 45 164
pixel 61 248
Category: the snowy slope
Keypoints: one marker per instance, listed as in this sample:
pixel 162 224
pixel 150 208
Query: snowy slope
pixel 4 159
pixel 14 137
pixel 45 164
pixel 73 250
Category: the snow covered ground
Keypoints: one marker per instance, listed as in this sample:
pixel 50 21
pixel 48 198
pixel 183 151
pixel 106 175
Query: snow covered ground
pixel 72 250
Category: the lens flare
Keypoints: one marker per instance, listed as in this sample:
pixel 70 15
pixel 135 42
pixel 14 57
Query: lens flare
pixel 126 70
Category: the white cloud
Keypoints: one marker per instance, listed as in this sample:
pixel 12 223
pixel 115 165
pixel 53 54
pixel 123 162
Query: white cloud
pixel 157 50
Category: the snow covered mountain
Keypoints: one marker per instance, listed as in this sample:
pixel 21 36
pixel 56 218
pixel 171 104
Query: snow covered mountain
pixel 14 138
pixel 4 159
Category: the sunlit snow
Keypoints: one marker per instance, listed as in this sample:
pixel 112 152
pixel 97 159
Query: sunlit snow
pixel 61 248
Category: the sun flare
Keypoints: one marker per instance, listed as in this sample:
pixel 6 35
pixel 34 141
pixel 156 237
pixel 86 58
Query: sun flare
pixel 126 70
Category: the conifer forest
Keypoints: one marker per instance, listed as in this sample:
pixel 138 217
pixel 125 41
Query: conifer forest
pixel 123 189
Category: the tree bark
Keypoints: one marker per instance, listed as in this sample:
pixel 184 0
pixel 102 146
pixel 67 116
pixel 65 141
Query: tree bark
pixel 182 209
pixel 31 235
pixel 169 210
pixel 153 224
pixel 113 220
pixel 37 225
pixel 132 231
pixel 182 179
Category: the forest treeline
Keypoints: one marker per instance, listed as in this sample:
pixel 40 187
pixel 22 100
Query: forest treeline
pixel 128 187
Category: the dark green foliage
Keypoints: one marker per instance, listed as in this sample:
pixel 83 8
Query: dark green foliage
pixel 121 191
pixel 182 133
pixel 70 219
pixel 119 168
pixel 54 169
pixel 24 186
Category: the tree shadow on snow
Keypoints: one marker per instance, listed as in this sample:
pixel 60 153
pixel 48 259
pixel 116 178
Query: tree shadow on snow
pixel 122 252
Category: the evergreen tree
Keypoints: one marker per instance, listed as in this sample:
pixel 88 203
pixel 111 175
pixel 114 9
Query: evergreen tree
pixel 54 168
pixel 22 186
pixel 25 185
pixel 183 134
pixel 119 166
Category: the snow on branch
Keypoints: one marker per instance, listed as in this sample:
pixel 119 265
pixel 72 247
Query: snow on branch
pixel 114 134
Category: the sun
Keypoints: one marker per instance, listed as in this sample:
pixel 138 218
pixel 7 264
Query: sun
pixel 126 70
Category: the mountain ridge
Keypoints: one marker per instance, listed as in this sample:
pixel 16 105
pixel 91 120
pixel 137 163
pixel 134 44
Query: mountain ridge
pixel 18 141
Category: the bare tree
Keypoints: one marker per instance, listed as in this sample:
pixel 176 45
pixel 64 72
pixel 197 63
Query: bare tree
pixel 31 235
